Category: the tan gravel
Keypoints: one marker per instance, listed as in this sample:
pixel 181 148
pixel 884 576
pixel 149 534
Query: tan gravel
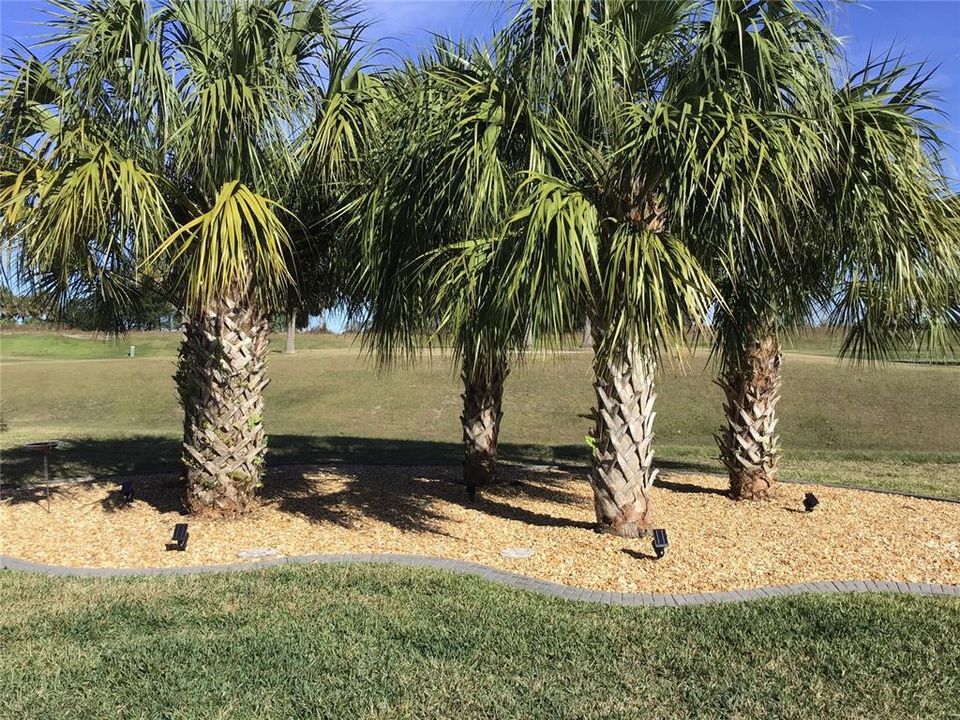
pixel 716 544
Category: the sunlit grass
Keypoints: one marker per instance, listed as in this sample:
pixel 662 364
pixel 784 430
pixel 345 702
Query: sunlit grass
pixel 894 427
pixel 381 642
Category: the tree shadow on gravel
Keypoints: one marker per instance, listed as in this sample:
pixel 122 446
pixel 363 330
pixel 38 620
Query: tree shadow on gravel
pixel 104 457
pixel 37 494
pixel 372 481
pixel 685 486
pixel 409 497
pixel 162 492
pixel 345 494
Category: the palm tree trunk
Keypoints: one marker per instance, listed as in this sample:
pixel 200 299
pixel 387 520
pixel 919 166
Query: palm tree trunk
pixel 291 347
pixel 482 412
pixel 221 378
pixel 623 471
pixel 749 447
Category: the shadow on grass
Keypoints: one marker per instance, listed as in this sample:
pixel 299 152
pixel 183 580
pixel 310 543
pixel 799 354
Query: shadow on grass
pixel 103 457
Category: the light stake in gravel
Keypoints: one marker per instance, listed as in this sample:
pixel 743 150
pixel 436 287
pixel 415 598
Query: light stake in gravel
pixel 810 502
pixel 660 542
pixel 180 537
pixel 126 492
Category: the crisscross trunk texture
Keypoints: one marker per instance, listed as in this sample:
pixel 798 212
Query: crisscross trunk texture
pixel 482 412
pixel 749 445
pixel 623 469
pixel 221 377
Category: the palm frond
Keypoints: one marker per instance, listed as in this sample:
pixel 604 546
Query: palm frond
pixel 238 246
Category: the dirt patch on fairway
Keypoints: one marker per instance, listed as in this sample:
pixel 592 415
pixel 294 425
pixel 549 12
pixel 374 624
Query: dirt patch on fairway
pixel 715 543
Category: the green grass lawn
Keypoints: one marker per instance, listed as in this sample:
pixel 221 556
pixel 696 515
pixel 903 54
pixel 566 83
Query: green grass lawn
pixel 895 427
pixel 820 341
pixel 77 345
pixel 384 642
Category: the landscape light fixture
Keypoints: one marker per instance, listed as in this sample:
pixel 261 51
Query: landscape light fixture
pixel 660 542
pixel 180 537
pixel 810 502
pixel 472 492
pixel 126 492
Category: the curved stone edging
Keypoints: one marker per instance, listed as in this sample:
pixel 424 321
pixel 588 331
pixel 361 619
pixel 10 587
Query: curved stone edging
pixel 510 579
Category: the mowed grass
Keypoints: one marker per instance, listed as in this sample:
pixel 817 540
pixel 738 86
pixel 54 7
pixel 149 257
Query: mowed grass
pixel 67 345
pixel 388 642
pixel 385 642
pixel 895 427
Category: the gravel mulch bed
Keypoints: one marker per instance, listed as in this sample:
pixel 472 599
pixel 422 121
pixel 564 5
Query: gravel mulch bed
pixel 716 544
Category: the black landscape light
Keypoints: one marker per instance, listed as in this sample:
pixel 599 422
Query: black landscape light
pixel 126 492
pixel 180 537
pixel 660 542
pixel 810 502
pixel 472 492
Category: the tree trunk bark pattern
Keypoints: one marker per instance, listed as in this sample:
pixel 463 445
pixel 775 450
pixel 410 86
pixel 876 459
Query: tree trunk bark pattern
pixel 749 446
pixel 291 347
pixel 623 470
pixel 221 377
pixel 482 412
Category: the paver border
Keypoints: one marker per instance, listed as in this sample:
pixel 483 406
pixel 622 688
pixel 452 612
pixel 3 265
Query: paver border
pixel 505 577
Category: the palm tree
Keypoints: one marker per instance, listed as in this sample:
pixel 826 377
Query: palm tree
pixel 164 147
pixel 589 236
pixel 870 247
pixel 644 122
pixel 441 180
pixel 769 63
